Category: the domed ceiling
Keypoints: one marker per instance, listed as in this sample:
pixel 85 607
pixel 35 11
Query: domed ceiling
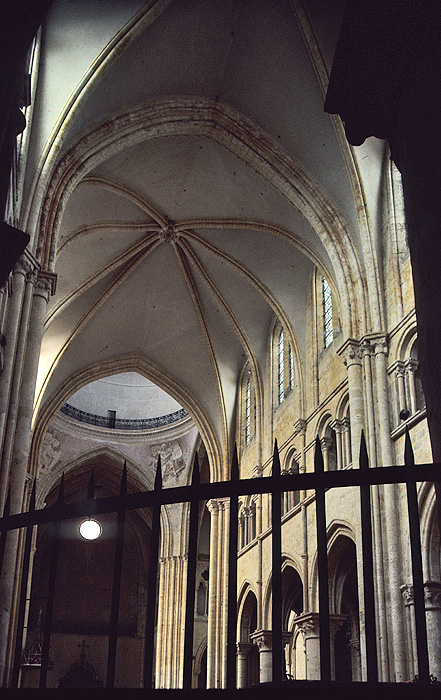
pixel 130 395
pixel 193 184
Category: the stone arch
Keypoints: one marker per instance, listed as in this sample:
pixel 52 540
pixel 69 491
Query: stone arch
pixel 247 612
pixel 334 530
pixel 199 116
pixel 43 414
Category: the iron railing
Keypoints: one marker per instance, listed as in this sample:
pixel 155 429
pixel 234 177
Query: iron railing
pixel 318 480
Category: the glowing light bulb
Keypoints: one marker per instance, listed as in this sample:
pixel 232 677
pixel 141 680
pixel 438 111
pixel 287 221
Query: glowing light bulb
pixel 90 529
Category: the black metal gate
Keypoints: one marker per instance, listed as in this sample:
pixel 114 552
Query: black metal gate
pixel 319 481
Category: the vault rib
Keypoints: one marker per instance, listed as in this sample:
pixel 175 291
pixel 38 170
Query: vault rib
pixel 105 227
pixel 195 298
pixel 267 295
pixel 229 313
pixel 133 250
pixel 112 287
pixel 129 194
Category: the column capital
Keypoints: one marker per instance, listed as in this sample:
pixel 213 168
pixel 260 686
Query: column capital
pixel 337 425
pixel 380 345
pixel 407 593
pixel 300 427
pixel 243 648
pixel 366 347
pixel 264 639
pixel 351 352
pixel 326 443
pixel 26 265
pixel 411 365
pixel 432 595
pixel 309 624
pixel 45 285
pixel 257 471
pixel 213 506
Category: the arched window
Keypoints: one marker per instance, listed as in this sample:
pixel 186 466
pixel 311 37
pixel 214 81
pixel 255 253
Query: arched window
pixel 290 367
pixel 328 335
pixel 280 368
pixel 248 411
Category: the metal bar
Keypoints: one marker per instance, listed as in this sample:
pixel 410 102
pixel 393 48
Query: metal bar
pixel 4 533
pixel 149 650
pixel 116 586
pixel 232 577
pixel 276 526
pixel 322 559
pixel 50 594
pixel 23 596
pixel 222 489
pixel 191 580
pixel 368 569
pixel 417 568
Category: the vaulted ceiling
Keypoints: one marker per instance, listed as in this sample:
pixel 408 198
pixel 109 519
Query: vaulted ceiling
pixel 184 182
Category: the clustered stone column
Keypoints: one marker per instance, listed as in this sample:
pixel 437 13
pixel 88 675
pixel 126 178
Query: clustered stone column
pixel 218 593
pixel 432 595
pixel 308 624
pixel 17 387
pixel 243 649
pixel 352 357
pixel 432 592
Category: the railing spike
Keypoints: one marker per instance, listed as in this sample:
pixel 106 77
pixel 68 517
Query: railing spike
pixel 319 465
pixel 364 457
pixel 409 457
pixel 195 477
pixel 158 477
pixel 91 489
pixel 276 459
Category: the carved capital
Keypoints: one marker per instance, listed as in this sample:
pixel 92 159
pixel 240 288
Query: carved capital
pixel 243 648
pixel 351 352
pixel 366 348
pixel 213 506
pixel 399 370
pixel 380 346
pixel 407 593
pixel 308 624
pixel 337 426
pixel 263 639
pixel 45 285
pixel 300 427
pixel 411 366
pixel 432 595
pixel 257 471
pixel 326 443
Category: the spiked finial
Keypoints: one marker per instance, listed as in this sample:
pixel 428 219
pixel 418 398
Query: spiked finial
pixel 158 478
pixel 276 459
pixel 196 477
pixel 364 458
pixel 235 465
pixel 91 489
pixel 319 465
pixel 409 457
